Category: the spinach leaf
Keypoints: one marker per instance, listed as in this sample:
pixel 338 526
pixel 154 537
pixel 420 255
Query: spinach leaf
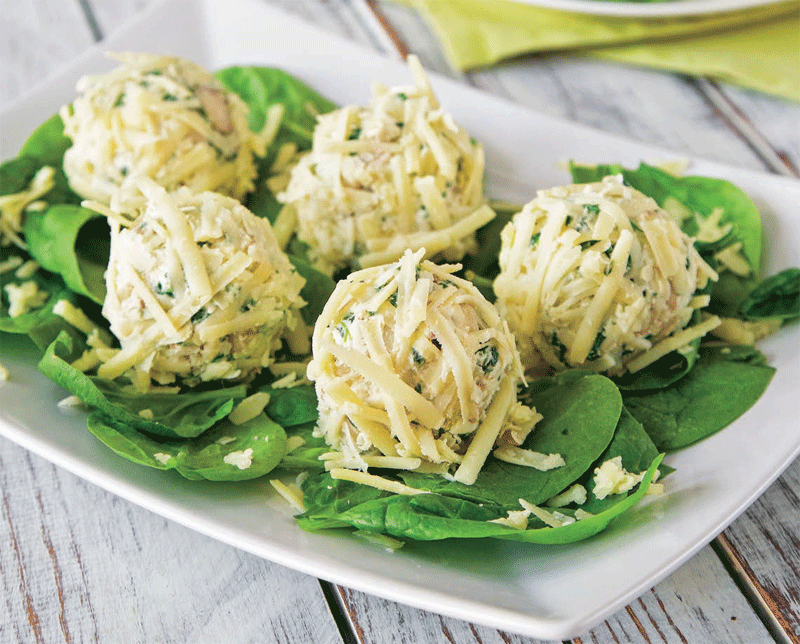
pixel 260 88
pixel 722 386
pixel 225 453
pixel 48 142
pixel 484 263
pixel 45 147
pixel 580 413
pixel 636 450
pixel 295 409
pixel 292 406
pixel 53 238
pixel 184 415
pixel 777 296
pixel 336 504
pixel 305 457
pixel 327 498
pixel 315 292
pixel 40 323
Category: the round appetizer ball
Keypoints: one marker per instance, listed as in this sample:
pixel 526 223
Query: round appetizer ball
pixel 161 117
pixel 395 174
pixel 412 363
pixel 197 290
pixel 597 276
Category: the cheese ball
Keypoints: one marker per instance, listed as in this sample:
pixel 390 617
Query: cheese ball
pixel 596 276
pixel 408 360
pixel 395 174
pixel 161 117
pixel 198 290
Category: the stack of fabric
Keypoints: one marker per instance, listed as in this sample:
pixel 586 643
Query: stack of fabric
pixel 751 43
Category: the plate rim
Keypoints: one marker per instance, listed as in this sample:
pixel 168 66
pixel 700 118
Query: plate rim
pixel 649 10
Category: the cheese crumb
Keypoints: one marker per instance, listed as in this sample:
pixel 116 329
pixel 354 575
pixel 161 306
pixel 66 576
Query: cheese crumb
pixel 71 405
pixel 24 297
pixel 575 494
pixel 612 478
pixel 241 459
pixel 162 458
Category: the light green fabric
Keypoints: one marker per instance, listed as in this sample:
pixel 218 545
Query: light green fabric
pixel 758 48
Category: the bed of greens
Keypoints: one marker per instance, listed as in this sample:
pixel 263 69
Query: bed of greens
pixel 587 418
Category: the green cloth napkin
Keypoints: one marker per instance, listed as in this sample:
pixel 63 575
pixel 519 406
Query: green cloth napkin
pixel 758 48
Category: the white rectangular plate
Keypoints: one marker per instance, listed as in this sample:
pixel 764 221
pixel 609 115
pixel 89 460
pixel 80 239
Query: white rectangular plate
pixel 551 592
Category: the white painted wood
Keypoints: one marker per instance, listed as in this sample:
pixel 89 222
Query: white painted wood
pixel 695 604
pixel 765 543
pixel 78 564
pixel 645 105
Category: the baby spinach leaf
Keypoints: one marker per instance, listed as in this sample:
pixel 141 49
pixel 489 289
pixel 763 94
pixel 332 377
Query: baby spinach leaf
pixel 186 414
pixel 40 323
pixel 335 504
pixel 592 525
pixel 292 406
pixel 315 292
pixel 45 147
pixel 47 143
pixel 326 497
pixel 16 174
pixel 260 88
pixel 580 413
pixel 720 388
pixel 777 296
pixel 225 453
pixel 484 263
pixel 306 456
pixel 53 239
pixel 636 450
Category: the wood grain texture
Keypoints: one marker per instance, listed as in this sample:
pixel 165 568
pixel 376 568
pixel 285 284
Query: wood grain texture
pixel 696 604
pixel 764 544
pixel 79 564
pixel 625 100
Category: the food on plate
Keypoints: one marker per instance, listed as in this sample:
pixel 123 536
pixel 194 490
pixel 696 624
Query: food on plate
pixel 412 364
pixel 419 423
pixel 198 290
pixel 161 117
pixel 598 276
pixel 398 173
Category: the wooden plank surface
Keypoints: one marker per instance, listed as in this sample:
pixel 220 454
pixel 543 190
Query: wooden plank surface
pixel 78 564
pixel 79 556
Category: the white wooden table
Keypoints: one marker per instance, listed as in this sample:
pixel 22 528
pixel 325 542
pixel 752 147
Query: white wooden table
pixel 78 564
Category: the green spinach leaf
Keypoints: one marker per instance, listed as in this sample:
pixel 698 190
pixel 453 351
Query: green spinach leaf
pixel 184 415
pixel 777 297
pixel 260 88
pixel 225 453
pixel 53 239
pixel 722 386
pixel 580 413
